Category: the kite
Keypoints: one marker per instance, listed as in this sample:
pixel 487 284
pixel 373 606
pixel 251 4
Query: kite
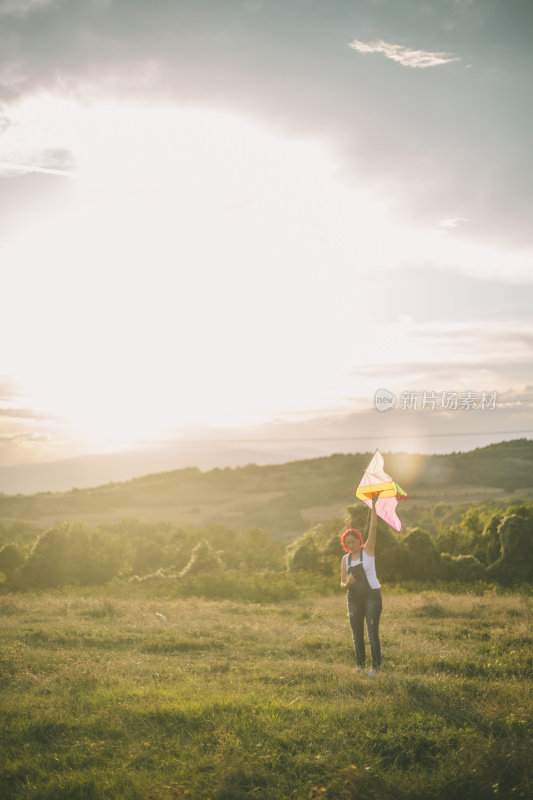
pixel 375 481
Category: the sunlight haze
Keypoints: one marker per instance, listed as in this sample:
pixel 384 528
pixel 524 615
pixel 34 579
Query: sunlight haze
pixel 320 210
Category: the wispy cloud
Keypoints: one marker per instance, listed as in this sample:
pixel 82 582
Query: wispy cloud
pixel 22 413
pixel 420 59
pixel 453 222
pixel 25 168
pixel 21 8
pixel 9 391
pixel 24 437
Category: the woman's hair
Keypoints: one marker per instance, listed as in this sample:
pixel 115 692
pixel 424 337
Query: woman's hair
pixel 345 533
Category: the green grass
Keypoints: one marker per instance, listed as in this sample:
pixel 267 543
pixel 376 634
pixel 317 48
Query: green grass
pixel 226 700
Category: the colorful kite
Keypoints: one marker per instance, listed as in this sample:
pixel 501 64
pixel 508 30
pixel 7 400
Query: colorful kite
pixel 375 481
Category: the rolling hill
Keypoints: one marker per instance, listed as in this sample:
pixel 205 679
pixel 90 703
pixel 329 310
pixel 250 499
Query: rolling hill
pixel 284 499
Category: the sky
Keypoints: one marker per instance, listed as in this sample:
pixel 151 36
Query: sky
pixel 227 222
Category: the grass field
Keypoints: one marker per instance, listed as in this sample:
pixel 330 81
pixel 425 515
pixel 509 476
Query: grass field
pixel 102 698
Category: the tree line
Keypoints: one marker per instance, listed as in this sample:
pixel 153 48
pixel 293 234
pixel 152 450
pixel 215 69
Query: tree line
pixel 487 542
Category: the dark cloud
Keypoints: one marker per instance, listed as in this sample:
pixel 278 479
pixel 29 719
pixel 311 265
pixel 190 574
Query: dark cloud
pixel 446 142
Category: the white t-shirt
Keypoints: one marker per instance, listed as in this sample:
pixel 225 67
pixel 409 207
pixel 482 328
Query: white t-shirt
pixel 369 566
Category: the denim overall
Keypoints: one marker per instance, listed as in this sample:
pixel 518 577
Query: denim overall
pixel 364 602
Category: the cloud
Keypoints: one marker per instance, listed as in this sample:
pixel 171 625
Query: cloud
pixel 9 391
pixel 439 148
pixel 418 59
pixel 488 341
pixel 448 355
pixel 23 413
pixel 24 437
pixel 453 222
pixel 21 8
pixel 443 373
pixel 26 168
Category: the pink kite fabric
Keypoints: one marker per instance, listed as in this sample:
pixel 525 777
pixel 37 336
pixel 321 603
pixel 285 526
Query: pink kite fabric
pixel 385 506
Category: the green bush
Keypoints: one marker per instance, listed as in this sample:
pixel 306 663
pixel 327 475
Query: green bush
pixel 10 558
pixel 317 551
pixel 68 553
pixel 515 564
pixel 423 559
pixel 466 569
pixel 492 541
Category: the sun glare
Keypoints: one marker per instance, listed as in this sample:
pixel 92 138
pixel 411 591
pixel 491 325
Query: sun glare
pixel 188 279
pixel 206 270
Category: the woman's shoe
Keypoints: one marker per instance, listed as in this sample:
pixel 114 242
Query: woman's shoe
pixel 374 672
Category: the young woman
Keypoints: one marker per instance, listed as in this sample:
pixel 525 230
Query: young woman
pixel 358 576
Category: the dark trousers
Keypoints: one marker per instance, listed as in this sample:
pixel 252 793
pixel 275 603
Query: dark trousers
pixel 365 605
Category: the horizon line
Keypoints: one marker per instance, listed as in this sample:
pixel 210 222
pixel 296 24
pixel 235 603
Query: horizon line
pixel 334 438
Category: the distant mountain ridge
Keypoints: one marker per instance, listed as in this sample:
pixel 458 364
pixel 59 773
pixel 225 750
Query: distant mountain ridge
pixel 89 470
pixel 283 498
